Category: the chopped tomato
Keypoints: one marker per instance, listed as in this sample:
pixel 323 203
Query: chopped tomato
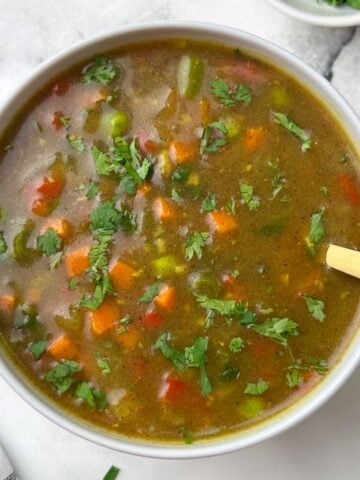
pixel 42 207
pixel 350 189
pixel 50 188
pixel 152 320
pixel 172 390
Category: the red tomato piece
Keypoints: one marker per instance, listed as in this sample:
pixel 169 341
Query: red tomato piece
pixel 152 320
pixel 172 389
pixel 350 189
pixel 50 187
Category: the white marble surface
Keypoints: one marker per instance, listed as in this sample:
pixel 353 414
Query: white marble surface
pixel 325 446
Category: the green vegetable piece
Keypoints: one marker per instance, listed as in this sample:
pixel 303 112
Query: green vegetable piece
pixel 24 255
pixel 195 244
pixel 164 266
pixel 150 293
pixel 3 246
pixel 181 174
pixel 101 70
pixel 315 307
pixel 112 473
pixel 77 143
pixel 119 123
pixel 280 97
pixel 49 243
pixel 104 364
pixel 92 120
pixel 190 75
pixel 247 195
pixel 236 344
pixel 298 132
pixel 37 348
pixel 354 4
pixel 26 316
pixel 74 322
pixel 252 407
pixel 256 388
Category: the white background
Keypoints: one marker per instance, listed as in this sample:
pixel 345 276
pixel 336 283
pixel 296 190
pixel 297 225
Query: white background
pixel 326 445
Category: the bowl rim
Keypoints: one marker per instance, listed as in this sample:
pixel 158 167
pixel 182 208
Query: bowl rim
pixel 339 108
pixel 351 20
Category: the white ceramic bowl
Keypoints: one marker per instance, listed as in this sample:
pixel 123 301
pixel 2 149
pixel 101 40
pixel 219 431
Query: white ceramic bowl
pixel 319 12
pixel 338 108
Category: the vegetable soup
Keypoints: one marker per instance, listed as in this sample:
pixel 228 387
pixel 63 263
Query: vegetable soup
pixel 165 213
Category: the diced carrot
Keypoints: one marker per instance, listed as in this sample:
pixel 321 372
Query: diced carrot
pixel 50 188
pixel 130 338
pixel 254 138
pixel 77 261
pixel 103 319
pixel 61 226
pixel 61 87
pixel 56 120
pixel 163 210
pixel 205 112
pixel 172 389
pixel 166 298
pixel 63 348
pixel 181 152
pixel 152 320
pixel 221 221
pixel 93 97
pixel 7 303
pixel 121 275
pixel 307 376
pixel 144 188
pixel 350 189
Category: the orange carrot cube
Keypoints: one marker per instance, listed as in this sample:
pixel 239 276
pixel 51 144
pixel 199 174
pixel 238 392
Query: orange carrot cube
pixel 104 318
pixel 163 210
pixel 181 152
pixel 63 348
pixel 121 275
pixel 77 261
pixel 166 298
pixel 7 303
pixel 221 221
pixel 254 138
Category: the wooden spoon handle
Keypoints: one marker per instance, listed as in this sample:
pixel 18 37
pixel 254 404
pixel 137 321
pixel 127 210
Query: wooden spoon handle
pixel 344 259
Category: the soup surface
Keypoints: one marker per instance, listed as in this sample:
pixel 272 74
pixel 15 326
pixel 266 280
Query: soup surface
pixel 165 210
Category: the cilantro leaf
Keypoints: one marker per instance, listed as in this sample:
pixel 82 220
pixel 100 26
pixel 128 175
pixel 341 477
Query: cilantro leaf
pixel 230 96
pixel 294 378
pixel 213 137
pixel 61 374
pixel 55 260
pixel 194 245
pixel 175 195
pixel 209 203
pixel 256 388
pixel 37 348
pixel 150 293
pixel 66 121
pixel 49 243
pixel 247 194
pixel 228 308
pixel 175 356
pixel 195 357
pixel 236 344
pixel 104 364
pixel 278 183
pixel 101 70
pixel 112 473
pixel 73 283
pixel 277 328
pixel 317 230
pixel 107 217
pixel 94 398
pixel 3 246
pixel 77 143
pixel 298 132
pixel 93 190
pixel 315 307
pixel 103 288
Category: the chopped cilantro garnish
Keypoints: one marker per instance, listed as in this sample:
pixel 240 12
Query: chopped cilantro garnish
pixel 231 206
pixel 213 137
pixel 107 217
pixel 65 121
pixel 93 190
pixel 76 142
pixel 181 173
pixel 55 260
pixel 37 348
pixel 104 364
pixel 73 283
pixel 317 230
pixel 3 246
pixel 209 203
pixel 194 244
pixel 291 126
pixel 247 194
pixel 102 288
pixel 324 190
pixel 294 378
pixel 230 96
pixel 228 308
pixel 49 243
pixel 175 195
pixel 175 356
pixel 94 398
pixel 278 183
pixel 150 293
pixel 61 375
pixel 277 328
pixel 236 344
pixel 101 70
pixel 256 388
pixel 315 307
